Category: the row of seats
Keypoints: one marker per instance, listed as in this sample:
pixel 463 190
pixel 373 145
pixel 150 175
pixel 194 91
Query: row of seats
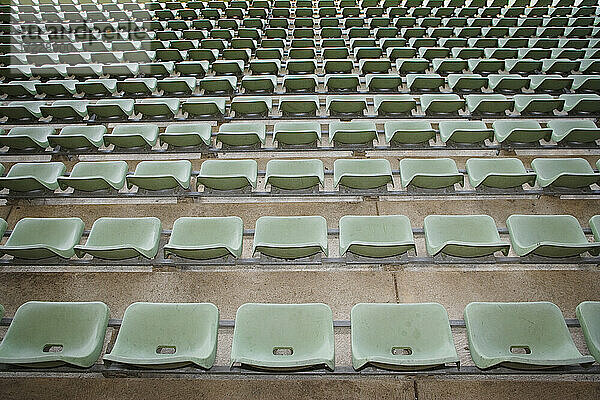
pixel 302 106
pixel 397 132
pixel 291 337
pixel 296 175
pixel 201 238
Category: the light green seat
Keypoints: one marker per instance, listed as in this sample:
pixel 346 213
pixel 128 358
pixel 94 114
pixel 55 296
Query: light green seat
pixel 580 82
pixel 346 104
pixel 376 236
pixel 574 130
pixel 219 84
pixel 394 104
pixel 464 131
pixel 59 87
pixel 76 137
pixel 133 135
pixel 161 175
pixel 588 314
pixel 251 105
pixel 27 137
pixel 228 174
pixel 564 172
pixel 242 134
pixel 185 135
pixel 498 173
pixel 508 82
pixel 520 131
pixel 362 174
pixel 294 174
pixel 537 103
pixel 441 103
pixel 204 106
pixel 138 86
pixel 408 132
pixel 202 238
pixel 488 103
pixel 581 103
pixel 549 83
pixel 66 109
pixel 122 238
pixel 520 335
pixel 462 236
pixel 401 336
pixel 112 108
pixel 97 87
pixel 37 238
pixel 297 133
pixel 290 237
pixel 96 175
pixel 18 89
pixel 283 336
pixel 435 173
pixel 548 236
pixel 299 105
pixel 24 177
pixel 183 85
pixel 160 108
pixel 259 84
pixel 352 132
pixel 22 110
pixel 38 329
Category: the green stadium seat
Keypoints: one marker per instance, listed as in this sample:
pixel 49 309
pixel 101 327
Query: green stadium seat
pixel 259 84
pixel 537 103
pixel 346 105
pixel 404 53
pixel 301 66
pixel 295 174
pixel 401 336
pixel 251 106
pixel 97 87
pixel 362 174
pixel 167 335
pixel 283 336
pixel 133 135
pixel 300 83
pixel 464 131
pixel 38 238
pixel 22 110
pixel 59 87
pixel 498 173
pixel 297 133
pixel 589 66
pixel 111 108
pixel 25 177
pixel 522 65
pixel 27 137
pixel 122 238
pixel 588 314
pixel 466 82
pixel 584 83
pixel 428 82
pixel 18 89
pixel 192 68
pixel 441 103
pixel 508 82
pixel 550 83
pixel 219 84
pixel 157 108
pixel 228 174
pixel 76 137
pixel 548 236
pixel 204 106
pixel 49 334
pixel 374 65
pixel 186 135
pixel 581 103
pixel 290 237
pixel 408 132
pixel 408 65
pixel 463 236
pixel 449 65
pixel 161 175
pixel 559 65
pixel 352 132
pixel 520 335
pixel 429 173
pixel 383 82
pixel 564 172
pixel 123 70
pixel 66 109
pixel 520 131
pixel 574 130
pixel 488 104
pixel 488 65
pixel 242 134
pixel 394 104
pixel 96 175
pixel 376 236
pixel 183 85
pixel 338 66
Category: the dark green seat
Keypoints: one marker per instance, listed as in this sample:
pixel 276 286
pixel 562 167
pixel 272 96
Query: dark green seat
pixel 441 103
pixel 204 106
pixel 111 109
pixel 251 105
pixel 466 82
pixel 537 103
pixel 96 175
pixel 299 105
pixel 22 110
pixel 499 173
pixel 158 108
pixel 408 132
pixel 161 175
pixel 376 236
pixel 508 82
pixel 290 237
pixel 581 103
pixel 394 104
pixel 488 104
pixel 25 177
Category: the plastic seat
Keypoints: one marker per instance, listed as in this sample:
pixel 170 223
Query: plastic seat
pixel 241 134
pixel 39 329
pixel 184 85
pixel 251 105
pixel 499 173
pixel 167 335
pixel 424 82
pixel 584 83
pixel 25 177
pixel 157 108
pixel 97 87
pixel 488 103
pixel 59 87
pixel 429 173
pixel 204 106
pixel 462 236
pixel 27 137
pixel 523 131
pixel 520 335
pixel 548 236
pixel 401 336
pixel 260 84
pixel 122 238
pixel 290 237
pixel 133 135
pixel 219 84
pixel 111 109
pixel 441 103
pixel 66 109
pixel 550 83
pixel 228 174
pixel 161 175
pixel 509 82
pixel 414 65
pixel 394 104
pixel 588 314
pixel 22 110
pixel 97 175
pixel 38 238
pixel 447 65
pixel 574 130
pixel 192 69
pixel 581 103
pixel 294 174
pixel 564 172
pixel 383 82
pixel 464 131
pixel 186 135
pixel 202 238
pixel 559 65
pixel 297 133
pixel 408 132
pixel 376 236
pixel 76 137
pixel 18 89
pixel 283 336
pixel 537 103
pixel 342 82
pixel 466 82
pixel 362 174
pixel 352 132
pixel 128 70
